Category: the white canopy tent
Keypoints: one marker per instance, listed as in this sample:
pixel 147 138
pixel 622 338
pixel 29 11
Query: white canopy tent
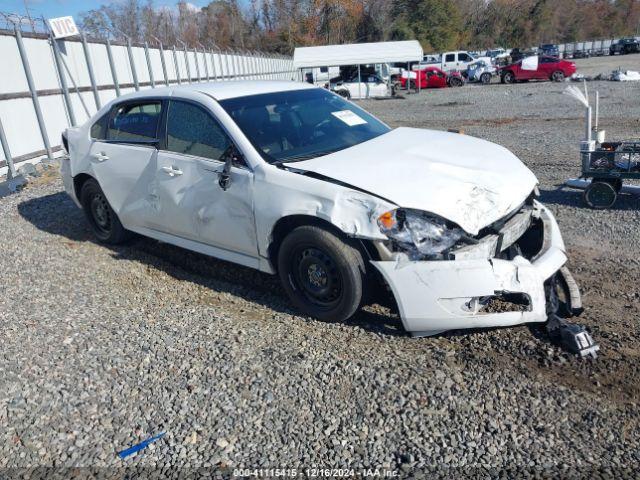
pixel 357 54
pixel 377 53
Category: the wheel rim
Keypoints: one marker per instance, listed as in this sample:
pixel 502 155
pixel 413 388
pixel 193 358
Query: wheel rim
pixel 558 76
pixel 317 277
pixel 601 195
pixel 101 213
pixel 509 77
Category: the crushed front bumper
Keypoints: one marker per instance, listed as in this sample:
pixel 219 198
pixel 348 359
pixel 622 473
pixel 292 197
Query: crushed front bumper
pixel 436 296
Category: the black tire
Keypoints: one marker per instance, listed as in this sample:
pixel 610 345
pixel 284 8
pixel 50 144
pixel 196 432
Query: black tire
pixel 485 78
pixel 104 222
pixel 322 274
pixel 508 77
pixel 344 94
pixel 455 82
pixel 600 195
pixel 557 76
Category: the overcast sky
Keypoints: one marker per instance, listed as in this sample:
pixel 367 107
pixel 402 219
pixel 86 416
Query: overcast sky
pixel 62 8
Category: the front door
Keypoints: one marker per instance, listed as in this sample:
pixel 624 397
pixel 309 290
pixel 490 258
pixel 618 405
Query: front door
pixel 123 157
pixel 190 202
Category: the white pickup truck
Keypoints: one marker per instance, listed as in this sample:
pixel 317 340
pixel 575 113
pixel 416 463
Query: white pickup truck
pixel 459 60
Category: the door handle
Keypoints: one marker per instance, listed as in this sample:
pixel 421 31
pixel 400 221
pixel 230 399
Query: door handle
pixel 171 171
pixel 100 157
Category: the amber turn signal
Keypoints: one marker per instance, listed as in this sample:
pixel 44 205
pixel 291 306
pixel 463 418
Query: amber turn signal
pixel 387 220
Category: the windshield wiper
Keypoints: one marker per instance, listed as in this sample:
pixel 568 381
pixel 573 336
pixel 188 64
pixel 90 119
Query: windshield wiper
pixel 306 156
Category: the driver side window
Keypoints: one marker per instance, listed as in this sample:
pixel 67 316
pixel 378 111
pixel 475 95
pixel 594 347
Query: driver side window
pixel 193 131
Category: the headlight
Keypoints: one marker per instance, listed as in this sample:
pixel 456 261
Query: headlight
pixel 420 234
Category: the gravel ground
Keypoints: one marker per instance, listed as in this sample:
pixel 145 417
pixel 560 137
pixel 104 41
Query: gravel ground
pixel 104 347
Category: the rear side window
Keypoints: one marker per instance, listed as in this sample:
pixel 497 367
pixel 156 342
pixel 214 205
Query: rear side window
pixel 193 131
pixel 134 122
pixel 450 57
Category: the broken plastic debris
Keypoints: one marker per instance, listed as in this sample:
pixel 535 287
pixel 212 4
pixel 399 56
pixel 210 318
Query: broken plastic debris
pixel 573 338
pixel 625 76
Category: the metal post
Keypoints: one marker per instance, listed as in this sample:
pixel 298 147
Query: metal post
pixel 176 64
pixel 148 57
pixel 234 59
pixel 11 169
pixel 359 84
pixel 241 69
pixel 226 61
pixel 408 75
pixel 112 66
pixel 195 56
pixel 254 64
pixel 92 77
pixel 133 65
pixel 163 62
pixel 186 60
pixel 204 59
pixel 213 64
pixel 34 93
pixel 63 79
pixel 247 64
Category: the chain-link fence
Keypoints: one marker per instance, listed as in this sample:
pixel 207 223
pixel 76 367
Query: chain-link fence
pixel 47 85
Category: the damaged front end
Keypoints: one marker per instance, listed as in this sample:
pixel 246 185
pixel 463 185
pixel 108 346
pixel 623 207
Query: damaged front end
pixel 444 279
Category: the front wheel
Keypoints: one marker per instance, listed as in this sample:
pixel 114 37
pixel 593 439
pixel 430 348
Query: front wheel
pixel 322 275
pixel 455 82
pixel 557 76
pixel 103 220
pixel 344 94
pixel 485 78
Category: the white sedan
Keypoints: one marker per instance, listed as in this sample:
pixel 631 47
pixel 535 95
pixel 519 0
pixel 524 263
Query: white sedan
pixel 294 180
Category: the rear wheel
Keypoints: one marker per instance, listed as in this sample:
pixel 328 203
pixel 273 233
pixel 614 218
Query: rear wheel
pixel 344 93
pixel 323 276
pixel 600 195
pixel 103 220
pixel 455 82
pixel 557 76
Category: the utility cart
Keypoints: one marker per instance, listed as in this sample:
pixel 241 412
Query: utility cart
pixel 608 165
pixel 605 165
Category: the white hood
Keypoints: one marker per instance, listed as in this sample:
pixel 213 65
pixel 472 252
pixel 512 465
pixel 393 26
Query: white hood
pixel 466 180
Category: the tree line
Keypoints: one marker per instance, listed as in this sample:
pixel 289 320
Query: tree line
pixel 281 25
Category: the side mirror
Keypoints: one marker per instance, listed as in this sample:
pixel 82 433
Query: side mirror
pixel 230 155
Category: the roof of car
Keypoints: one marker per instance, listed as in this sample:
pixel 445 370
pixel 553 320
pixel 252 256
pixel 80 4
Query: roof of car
pixel 223 90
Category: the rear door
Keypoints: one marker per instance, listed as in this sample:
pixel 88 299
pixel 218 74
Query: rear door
pixel 190 202
pixel 123 159
pixel 547 66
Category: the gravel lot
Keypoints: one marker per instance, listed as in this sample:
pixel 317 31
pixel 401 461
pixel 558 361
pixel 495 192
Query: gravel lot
pixel 104 347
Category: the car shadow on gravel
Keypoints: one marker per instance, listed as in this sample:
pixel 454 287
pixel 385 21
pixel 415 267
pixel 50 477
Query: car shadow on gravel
pixel 565 196
pixel 57 215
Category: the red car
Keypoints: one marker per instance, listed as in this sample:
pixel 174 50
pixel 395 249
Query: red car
pixel 433 77
pixel 549 68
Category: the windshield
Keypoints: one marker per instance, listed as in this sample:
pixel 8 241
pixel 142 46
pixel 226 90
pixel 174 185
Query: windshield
pixel 301 124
